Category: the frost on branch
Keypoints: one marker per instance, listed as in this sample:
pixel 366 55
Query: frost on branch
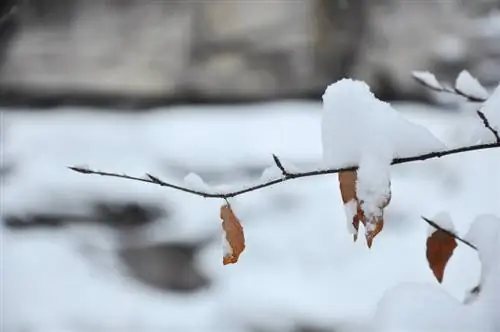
pixel 359 129
pixel 233 236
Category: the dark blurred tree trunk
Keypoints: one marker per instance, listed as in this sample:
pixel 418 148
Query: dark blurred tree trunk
pixel 338 35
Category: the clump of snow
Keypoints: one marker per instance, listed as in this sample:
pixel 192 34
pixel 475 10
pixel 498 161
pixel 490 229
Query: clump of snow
pixel 373 185
pixel 470 86
pixel 484 233
pixel 359 129
pixel 420 307
pixel 428 79
pixel 443 220
pixel 351 208
pixel 195 182
pixel 355 122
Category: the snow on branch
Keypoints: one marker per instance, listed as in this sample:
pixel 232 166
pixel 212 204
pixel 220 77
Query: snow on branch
pixel 288 176
pixel 469 87
pixel 379 136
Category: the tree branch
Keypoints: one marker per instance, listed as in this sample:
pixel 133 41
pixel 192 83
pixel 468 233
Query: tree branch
pixel 450 233
pixel 488 126
pixel 278 163
pixel 287 176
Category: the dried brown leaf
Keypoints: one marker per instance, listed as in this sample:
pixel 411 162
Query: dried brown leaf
pixel 234 235
pixel 347 182
pixel 440 247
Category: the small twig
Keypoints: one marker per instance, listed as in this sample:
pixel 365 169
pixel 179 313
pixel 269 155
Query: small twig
pixel 488 125
pixel 278 163
pixel 470 98
pixel 450 90
pixel 290 176
pixel 450 233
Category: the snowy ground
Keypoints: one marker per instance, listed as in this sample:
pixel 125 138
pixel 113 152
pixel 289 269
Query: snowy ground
pixel 300 265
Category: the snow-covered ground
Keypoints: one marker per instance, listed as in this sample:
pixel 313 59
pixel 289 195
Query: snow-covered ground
pixel 300 265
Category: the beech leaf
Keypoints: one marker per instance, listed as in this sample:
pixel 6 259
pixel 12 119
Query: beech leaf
pixel 234 237
pixel 440 247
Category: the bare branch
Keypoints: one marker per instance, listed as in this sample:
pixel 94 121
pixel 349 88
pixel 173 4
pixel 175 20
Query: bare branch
pixel 155 180
pixel 450 233
pixel 278 163
pixel 488 126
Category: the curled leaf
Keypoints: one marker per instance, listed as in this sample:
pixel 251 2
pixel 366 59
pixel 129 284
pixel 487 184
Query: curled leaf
pixel 234 237
pixel 440 247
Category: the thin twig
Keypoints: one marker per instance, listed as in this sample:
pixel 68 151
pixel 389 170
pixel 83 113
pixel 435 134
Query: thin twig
pixel 488 125
pixel 278 163
pixel 450 233
pixel 470 98
pixel 155 180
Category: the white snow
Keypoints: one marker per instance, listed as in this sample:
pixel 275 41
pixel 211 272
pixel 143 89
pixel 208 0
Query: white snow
pixel 355 122
pixel 403 308
pixel 372 187
pixel 470 129
pixel 443 220
pixel 299 266
pixel 195 182
pixel 351 208
pixel 470 86
pixel 428 79
pixel 359 129
pixel 271 173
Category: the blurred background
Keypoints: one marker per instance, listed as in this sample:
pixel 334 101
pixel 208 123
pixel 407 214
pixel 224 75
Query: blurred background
pixel 214 87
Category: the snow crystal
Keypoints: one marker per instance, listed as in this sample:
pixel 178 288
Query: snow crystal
pixel 491 109
pixel 443 220
pixel 195 182
pixel 470 86
pixel 428 79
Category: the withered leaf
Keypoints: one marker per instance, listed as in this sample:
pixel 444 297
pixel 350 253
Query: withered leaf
pixel 234 235
pixel 440 247
pixel 347 182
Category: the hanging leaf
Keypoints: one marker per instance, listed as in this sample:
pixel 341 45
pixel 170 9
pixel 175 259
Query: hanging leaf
pixel 234 238
pixel 354 211
pixel 440 247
